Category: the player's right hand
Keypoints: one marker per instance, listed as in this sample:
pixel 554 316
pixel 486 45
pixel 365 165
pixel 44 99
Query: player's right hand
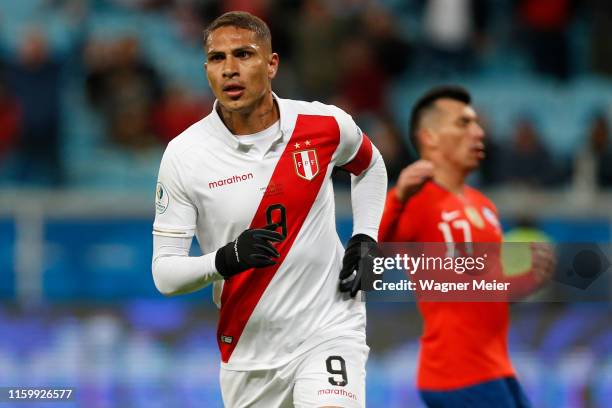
pixel 543 261
pixel 252 249
pixel 412 178
pixel 354 274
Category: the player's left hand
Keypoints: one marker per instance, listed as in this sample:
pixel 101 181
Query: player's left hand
pixel 543 261
pixel 352 267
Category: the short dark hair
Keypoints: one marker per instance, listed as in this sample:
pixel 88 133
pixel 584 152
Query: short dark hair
pixel 241 19
pixel 455 92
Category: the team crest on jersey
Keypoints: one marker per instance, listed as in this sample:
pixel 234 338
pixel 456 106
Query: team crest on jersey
pixel 490 216
pixel 474 217
pixel 306 164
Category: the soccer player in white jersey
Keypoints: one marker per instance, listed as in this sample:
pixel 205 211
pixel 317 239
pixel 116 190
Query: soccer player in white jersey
pixel 252 181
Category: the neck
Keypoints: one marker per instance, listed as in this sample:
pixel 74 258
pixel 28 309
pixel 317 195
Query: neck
pixel 263 115
pixel 451 179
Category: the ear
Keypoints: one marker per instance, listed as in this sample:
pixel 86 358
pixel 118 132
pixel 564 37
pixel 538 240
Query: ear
pixel 428 137
pixel 273 65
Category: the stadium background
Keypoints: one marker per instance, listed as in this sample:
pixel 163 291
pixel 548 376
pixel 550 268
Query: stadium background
pixel 91 91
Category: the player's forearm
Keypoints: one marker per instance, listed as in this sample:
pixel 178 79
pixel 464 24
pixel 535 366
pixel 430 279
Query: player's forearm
pixel 368 197
pixel 177 275
pixel 175 272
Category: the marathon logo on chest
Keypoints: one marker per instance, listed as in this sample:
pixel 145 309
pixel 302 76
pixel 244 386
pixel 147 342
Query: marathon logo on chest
pixel 306 164
pixel 230 180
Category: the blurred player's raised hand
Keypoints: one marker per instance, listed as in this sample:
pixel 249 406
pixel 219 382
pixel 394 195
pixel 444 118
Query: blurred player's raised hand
pixel 412 178
pixel 543 261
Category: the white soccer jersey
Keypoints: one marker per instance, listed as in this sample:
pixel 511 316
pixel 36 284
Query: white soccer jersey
pixel 210 185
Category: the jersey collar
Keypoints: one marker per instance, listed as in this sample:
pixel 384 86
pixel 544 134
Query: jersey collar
pixel 234 141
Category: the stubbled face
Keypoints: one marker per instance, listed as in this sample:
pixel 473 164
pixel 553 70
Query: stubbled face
pixel 457 135
pixel 239 68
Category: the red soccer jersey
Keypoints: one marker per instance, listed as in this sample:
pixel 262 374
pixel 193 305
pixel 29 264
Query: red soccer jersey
pixel 464 343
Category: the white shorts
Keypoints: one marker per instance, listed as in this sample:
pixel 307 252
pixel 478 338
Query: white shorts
pixel 331 374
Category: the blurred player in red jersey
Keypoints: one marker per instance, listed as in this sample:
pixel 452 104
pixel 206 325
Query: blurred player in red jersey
pixel 464 358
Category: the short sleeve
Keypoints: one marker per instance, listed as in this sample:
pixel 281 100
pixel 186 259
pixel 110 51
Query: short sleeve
pixel 355 148
pixel 175 213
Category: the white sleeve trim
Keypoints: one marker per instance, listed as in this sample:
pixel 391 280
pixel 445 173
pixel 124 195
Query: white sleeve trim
pixel 172 231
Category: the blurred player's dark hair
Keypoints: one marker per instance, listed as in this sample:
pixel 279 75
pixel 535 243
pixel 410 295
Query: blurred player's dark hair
pixel 244 20
pixel 425 102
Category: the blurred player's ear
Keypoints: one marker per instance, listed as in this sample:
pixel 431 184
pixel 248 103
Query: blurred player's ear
pixel 428 138
pixel 273 65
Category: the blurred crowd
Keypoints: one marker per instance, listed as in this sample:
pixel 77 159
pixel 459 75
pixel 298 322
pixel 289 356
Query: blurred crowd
pixel 163 354
pixel 351 53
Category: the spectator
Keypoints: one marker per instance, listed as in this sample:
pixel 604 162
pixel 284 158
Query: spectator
pixel 34 79
pixel 260 8
pixel 283 12
pixel 124 88
pixel 362 86
pixel 528 162
pixel 392 51
pixel 98 61
pixel 141 4
pixel 191 15
pixel 452 30
pixel 318 38
pixel 592 167
pixel 282 32
pixel 545 24
pixel 490 168
pixel 394 151
pixel 9 121
pixel 188 22
pixel 177 111
pixel 600 16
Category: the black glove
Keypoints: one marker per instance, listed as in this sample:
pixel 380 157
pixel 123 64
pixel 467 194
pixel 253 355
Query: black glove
pixel 252 249
pixel 359 249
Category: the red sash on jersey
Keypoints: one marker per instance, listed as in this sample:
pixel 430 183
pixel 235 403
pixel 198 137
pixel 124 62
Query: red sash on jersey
pixel 242 292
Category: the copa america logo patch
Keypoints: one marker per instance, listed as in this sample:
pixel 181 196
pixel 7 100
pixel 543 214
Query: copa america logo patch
pixel 161 199
pixel 306 164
